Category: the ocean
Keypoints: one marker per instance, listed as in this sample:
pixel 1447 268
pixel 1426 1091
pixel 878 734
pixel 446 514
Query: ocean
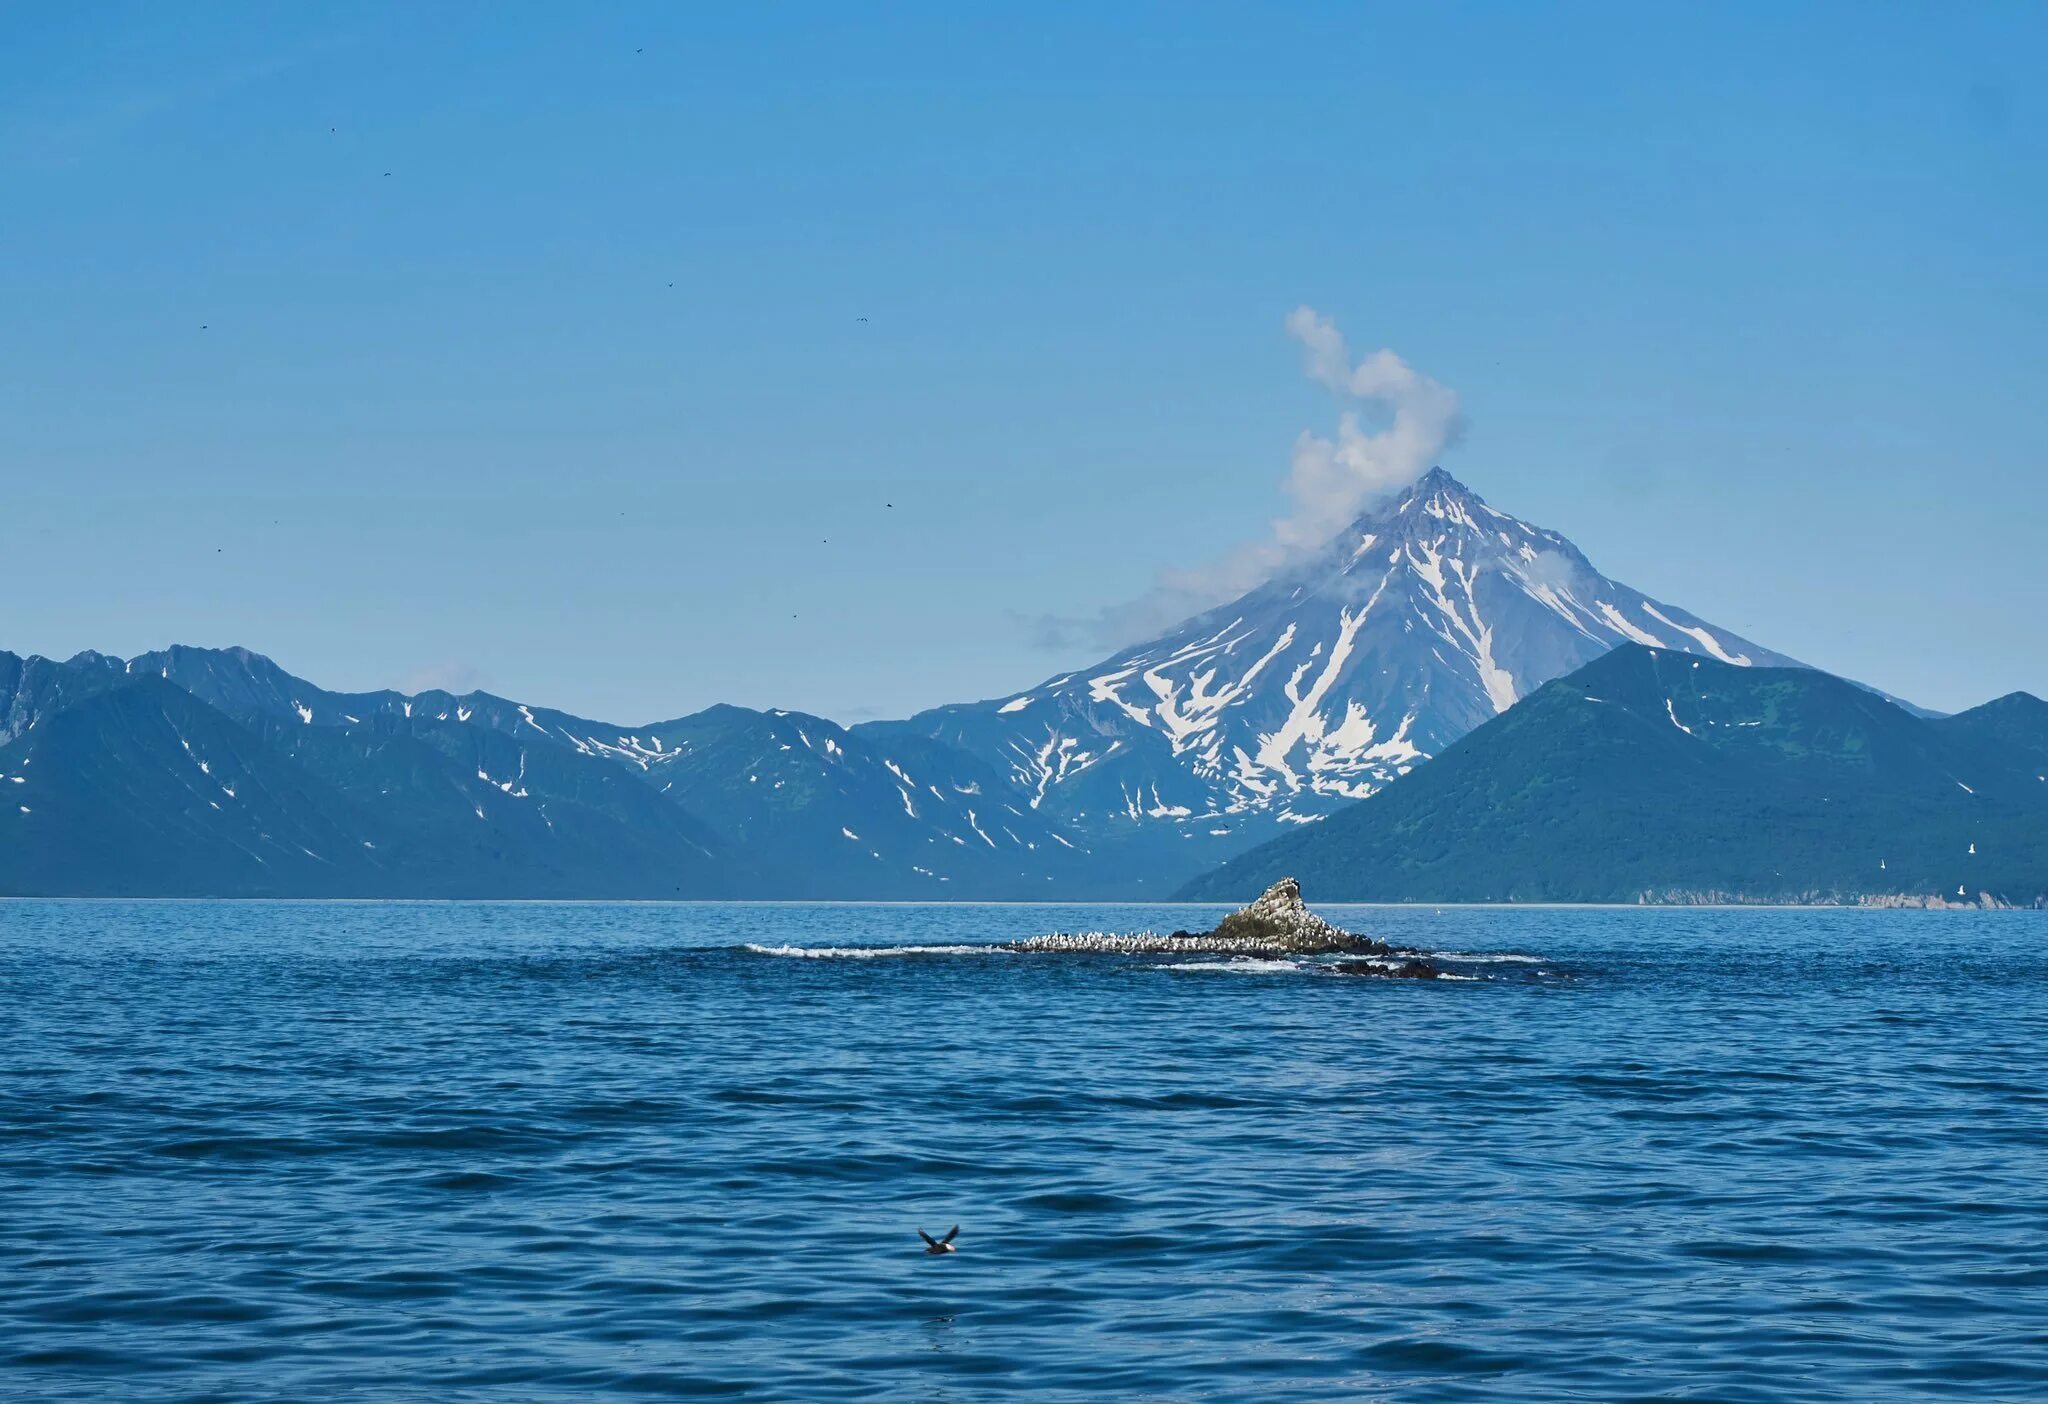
pixel 333 1151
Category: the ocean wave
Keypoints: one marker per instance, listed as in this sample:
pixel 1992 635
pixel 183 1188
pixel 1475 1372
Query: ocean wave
pixel 1246 966
pixel 1476 958
pixel 867 952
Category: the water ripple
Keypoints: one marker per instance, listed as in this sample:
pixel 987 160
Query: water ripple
pixel 532 1152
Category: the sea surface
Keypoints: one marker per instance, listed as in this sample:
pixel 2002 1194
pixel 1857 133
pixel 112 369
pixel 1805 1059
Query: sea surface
pixel 277 1151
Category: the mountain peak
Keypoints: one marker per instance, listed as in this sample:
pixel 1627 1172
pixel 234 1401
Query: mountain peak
pixel 2016 702
pixel 1436 508
pixel 1438 479
pixel 1437 485
pixel 92 658
pixel 1436 496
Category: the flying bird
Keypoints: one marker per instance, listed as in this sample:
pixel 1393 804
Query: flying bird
pixel 940 1245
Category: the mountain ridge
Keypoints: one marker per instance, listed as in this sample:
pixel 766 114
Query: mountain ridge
pixel 1432 614
pixel 1650 776
pixel 506 799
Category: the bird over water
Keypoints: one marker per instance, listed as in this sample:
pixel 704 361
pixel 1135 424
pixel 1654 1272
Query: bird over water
pixel 940 1245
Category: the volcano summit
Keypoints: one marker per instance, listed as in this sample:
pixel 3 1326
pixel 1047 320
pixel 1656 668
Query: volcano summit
pixel 1426 617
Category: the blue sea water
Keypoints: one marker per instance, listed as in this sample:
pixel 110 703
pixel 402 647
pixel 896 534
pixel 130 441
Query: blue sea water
pixel 255 1151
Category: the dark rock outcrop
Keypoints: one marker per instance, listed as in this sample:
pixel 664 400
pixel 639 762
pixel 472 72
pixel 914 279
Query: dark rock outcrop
pixel 1281 920
pixel 1279 923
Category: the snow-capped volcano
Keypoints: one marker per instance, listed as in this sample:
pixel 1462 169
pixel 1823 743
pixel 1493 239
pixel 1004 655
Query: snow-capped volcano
pixel 1425 618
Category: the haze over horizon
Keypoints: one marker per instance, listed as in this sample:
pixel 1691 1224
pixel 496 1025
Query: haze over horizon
pixel 633 361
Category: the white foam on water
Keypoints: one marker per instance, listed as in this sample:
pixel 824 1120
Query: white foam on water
pixel 867 952
pixel 1475 959
pixel 1250 966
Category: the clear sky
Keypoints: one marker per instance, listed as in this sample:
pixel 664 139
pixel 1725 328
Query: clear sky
pixel 575 351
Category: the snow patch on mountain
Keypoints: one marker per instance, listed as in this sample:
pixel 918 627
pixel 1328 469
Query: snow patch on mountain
pixel 1425 618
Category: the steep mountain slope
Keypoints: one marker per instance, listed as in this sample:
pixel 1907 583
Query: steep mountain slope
pixel 823 812
pixel 142 789
pixel 1425 619
pixel 32 688
pixel 1648 775
pixel 499 819
pixel 477 795
pixel 2018 719
pixel 818 811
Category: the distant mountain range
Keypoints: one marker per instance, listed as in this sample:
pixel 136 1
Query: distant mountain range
pixel 214 771
pixel 1651 776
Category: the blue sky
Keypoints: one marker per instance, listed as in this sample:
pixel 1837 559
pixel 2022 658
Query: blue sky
pixel 521 346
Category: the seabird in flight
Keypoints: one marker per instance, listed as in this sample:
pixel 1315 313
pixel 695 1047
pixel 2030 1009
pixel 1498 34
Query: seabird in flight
pixel 940 1245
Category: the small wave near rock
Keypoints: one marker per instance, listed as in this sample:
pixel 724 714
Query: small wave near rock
pixel 863 952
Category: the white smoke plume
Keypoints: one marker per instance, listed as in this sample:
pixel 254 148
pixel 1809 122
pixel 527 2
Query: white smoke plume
pixel 1333 480
pixel 1413 419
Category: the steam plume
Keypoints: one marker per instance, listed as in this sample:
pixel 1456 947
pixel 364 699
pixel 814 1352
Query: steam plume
pixel 1330 481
